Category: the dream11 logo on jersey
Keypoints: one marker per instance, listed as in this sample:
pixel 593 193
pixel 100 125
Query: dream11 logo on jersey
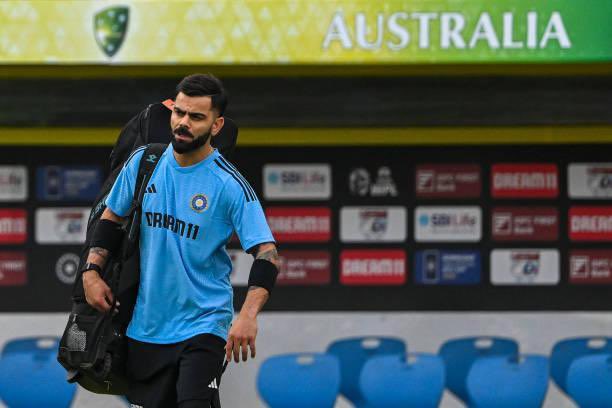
pixel 361 183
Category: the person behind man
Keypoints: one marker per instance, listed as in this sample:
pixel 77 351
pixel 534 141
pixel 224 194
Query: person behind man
pixel 180 330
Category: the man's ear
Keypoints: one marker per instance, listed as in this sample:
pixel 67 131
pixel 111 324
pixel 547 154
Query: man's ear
pixel 217 125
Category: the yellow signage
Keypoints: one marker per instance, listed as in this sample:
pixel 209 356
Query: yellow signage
pixel 303 31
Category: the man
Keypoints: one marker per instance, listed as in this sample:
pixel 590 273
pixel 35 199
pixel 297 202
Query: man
pixel 180 330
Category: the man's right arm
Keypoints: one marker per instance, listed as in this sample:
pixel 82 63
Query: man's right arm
pixel 97 292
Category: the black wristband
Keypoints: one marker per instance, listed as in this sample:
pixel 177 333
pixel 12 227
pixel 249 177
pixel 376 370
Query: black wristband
pixel 263 274
pixel 91 267
pixel 108 235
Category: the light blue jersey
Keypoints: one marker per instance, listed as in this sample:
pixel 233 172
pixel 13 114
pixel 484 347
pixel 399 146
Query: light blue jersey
pixel 189 214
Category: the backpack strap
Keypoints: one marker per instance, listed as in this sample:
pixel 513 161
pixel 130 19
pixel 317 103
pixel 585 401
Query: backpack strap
pixel 146 167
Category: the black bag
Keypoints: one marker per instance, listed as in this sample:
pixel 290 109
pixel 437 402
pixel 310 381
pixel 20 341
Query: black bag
pixel 93 346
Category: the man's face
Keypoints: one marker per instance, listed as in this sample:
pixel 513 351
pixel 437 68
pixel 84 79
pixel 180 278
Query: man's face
pixel 192 122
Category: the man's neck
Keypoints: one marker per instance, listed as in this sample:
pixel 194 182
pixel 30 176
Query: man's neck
pixel 194 157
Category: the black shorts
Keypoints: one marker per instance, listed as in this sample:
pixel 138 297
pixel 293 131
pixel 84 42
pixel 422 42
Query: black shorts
pixel 166 375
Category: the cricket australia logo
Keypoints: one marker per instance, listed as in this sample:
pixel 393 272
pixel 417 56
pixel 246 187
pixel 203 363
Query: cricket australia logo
pixel 199 203
pixel 110 27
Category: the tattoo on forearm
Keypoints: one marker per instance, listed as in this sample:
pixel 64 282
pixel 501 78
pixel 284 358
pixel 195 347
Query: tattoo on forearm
pixel 269 255
pixel 101 252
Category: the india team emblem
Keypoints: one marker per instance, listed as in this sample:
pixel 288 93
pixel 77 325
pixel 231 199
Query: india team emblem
pixel 110 27
pixel 199 203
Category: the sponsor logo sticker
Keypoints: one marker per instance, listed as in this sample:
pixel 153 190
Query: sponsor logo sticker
pixel 61 225
pixel 524 180
pixel 297 181
pixel 241 267
pixel 373 267
pixel 525 266
pixel 13 268
pixel 13 183
pixel 297 267
pixel 452 224
pixel 362 184
pixel 590 223
pixel 67 267
pixel 590 266
pixel 304 268
pixel 13 226
pixel 525 224
pixel 68 183
pixel 373 224
pixel 452 267
pixel 448 181
pixel 590 180
pixel 300 224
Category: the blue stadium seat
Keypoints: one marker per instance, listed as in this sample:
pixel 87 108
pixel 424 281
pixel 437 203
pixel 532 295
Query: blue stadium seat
pixel 399 381
pixel 589 381
pixel 568 350
pixel 299 381
pixel 460 354
pixel 353 354
pixel 508 382
pixel 30 375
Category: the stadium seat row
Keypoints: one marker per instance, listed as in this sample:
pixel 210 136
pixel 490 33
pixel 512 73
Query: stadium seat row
pixel 484 372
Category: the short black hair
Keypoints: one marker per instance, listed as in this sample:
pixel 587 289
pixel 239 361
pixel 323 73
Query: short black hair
pixel 205 85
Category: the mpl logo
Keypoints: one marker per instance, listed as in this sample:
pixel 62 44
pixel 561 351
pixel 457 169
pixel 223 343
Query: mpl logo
pixel 590 180
pixel 373 224
pixel 13 268
pixel 373 267
pixel 300 224
pixel 590 223
pixel 362 185
pixel 525 266
pixel 13 183
pixel 61 225
pixel 453 224
pixel 13 226
pixel 524 180
pixel 297 181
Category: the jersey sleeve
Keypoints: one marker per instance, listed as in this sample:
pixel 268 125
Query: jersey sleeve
pixel 121 195
pixel 246 215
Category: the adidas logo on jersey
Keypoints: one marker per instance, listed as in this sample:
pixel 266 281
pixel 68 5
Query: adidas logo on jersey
pixel 151 189
pixel 213 384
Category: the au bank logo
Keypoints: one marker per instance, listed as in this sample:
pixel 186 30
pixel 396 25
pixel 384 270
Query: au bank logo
pixel 110 28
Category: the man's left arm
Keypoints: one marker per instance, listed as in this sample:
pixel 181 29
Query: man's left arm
pixel 243 333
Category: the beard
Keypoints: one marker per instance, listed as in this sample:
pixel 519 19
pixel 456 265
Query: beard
pixel 182 147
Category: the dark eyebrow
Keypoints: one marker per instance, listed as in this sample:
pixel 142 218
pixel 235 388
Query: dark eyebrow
pixel 192 114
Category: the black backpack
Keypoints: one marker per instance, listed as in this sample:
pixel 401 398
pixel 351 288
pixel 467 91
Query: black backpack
pixel 93 346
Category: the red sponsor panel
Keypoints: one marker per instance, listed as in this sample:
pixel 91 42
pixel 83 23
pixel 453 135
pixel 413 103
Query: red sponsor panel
pixel 12 268
pixel 300 224
pixel 590 223
pixel 590 266
pixel 525 224
pixel 373 267
pixel 448 181
pixel 13 226
pixel 524 180
pixel 304 268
